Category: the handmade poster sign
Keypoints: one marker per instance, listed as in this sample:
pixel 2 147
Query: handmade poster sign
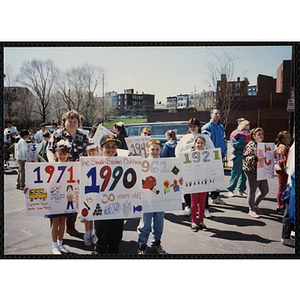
pixel 52 188
pixel 110 188
pixel 32 152
pixel 265 164
pixel 202 171
pixel 100 132
pixel 161 190
pixel 137 145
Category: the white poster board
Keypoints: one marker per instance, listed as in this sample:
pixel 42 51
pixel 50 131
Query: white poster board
pixel 32 154
pixel 202 171
pixel 110 188
pixel 137 145
pixel 100 132
pixel 265 164
pixel 161 190
pixel 52 188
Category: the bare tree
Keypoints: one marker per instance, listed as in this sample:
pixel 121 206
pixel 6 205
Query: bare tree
pixel 39 76
pixel 77 87
pixel 221 71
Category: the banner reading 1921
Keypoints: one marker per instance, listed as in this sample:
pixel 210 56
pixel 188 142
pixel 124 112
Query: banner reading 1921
pixel 202 171
pixel 53 188
pixel 110 188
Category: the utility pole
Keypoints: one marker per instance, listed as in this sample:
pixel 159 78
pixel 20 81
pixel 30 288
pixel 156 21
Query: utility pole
pixel 195 99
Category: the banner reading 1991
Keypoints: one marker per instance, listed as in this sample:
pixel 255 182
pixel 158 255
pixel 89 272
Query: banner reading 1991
pixel 110 188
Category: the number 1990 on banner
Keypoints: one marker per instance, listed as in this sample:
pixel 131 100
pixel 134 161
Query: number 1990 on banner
pixel 110 188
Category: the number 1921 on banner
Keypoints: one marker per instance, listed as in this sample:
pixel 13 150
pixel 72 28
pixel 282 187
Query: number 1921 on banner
pixel 52 188
pixel 110 188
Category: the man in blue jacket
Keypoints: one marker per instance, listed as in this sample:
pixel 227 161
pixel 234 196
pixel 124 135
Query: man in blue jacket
pixel 216 132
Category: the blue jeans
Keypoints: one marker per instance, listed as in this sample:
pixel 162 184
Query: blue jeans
pixel 145 227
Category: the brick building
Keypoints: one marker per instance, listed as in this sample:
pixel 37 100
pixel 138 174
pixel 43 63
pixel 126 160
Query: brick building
pixel 130 100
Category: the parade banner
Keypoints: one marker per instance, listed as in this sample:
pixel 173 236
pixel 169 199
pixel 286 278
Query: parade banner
pixel 161 190
pixel 100 132
pixel 265 164
pixel 137 145
pixel 202 171
pixel 110 188
pixel 32 153
pixel 53 188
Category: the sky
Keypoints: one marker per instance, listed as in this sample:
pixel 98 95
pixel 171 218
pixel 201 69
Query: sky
pixel 162 71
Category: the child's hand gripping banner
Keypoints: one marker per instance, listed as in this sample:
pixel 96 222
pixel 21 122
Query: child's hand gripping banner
pixel 137 145
pixel 161 190
pixel 265 164
pixel 202 171
pixel 53 188
pixel 110 188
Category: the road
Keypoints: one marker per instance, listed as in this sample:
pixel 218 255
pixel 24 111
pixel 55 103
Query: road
pixel 230 230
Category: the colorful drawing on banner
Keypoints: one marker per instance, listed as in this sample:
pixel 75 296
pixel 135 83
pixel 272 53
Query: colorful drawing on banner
pixel 32 153
pixel 110 188
pixel 53 188
pixel 137 145
pixel 265 165
pixel 160 185
pixel 202 171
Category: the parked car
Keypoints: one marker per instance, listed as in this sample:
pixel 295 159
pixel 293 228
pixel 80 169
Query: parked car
pixel 159 129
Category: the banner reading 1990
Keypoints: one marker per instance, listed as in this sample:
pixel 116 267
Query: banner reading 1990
pixel 110 188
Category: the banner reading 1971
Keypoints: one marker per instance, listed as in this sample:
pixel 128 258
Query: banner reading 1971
pixel 53 188
pixel 110 188
pixel 202 171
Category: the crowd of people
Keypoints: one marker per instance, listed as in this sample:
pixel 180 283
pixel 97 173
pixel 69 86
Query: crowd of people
pixel 68 143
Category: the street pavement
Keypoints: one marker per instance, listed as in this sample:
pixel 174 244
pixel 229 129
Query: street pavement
pixel 230 230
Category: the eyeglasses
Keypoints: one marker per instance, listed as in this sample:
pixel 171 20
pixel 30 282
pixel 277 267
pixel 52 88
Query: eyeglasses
pixel 147 133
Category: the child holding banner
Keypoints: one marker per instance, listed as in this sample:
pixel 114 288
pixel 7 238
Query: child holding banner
pixel 282 143
pixel 152 219
pixel 21 157
pixel 198 199
pixel 250 160
pixel 108 233
pixel 57 221
pixel 91 150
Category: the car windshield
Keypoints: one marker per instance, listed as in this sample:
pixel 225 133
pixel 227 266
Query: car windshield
pixel 162 129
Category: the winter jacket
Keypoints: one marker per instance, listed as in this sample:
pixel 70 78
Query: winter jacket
pixel 169 149
pixel 217 134
pixel 250 157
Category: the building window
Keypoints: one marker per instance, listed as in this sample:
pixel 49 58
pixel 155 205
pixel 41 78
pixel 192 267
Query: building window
pixel 238 85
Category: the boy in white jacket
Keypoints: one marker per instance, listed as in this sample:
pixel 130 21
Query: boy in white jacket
pixel 21 157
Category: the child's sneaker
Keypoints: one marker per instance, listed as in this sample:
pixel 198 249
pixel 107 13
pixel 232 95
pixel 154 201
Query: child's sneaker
pixel 187 211
pixel 87 240
pixel 253 214
pixel 56 250
pixel 141 250
pixel 194 227
pixel 202 226
pixel 158 249
pixel 63 249
pixel 257 210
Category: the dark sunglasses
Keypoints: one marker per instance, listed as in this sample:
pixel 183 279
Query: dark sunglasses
pixel 147 133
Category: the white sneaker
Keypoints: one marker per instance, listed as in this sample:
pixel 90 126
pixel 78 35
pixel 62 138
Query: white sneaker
pixel 63 249
pixel 218 201
pixel 253 214
pixel 87 240
pixel 187 211
pixel 231 194
pixel 293 234
pixel 207 213
pixel 242 194
pixel 56 250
